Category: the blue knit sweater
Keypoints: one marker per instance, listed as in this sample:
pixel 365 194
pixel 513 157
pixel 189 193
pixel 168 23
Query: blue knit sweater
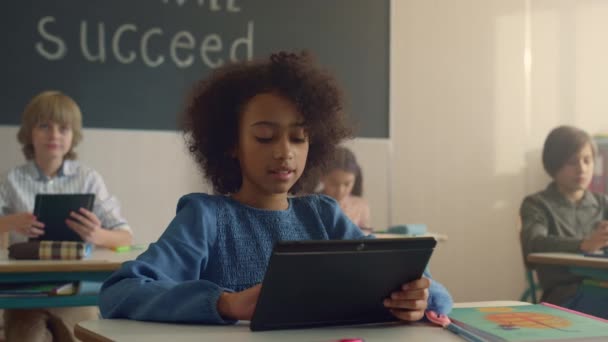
pixel 216 244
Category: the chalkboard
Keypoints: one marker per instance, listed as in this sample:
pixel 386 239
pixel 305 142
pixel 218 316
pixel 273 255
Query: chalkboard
pixel 129 63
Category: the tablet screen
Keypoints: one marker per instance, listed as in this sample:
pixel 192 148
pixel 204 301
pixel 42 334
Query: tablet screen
pixel 54 209
pixel 316 283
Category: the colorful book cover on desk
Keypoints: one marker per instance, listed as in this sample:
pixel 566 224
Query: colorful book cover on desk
pixel 540 322
pixel 37 289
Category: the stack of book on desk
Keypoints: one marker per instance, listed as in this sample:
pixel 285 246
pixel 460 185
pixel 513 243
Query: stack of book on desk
pixel 37 289
pixel 540 322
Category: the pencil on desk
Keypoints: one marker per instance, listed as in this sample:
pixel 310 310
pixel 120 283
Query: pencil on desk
pixel 127 248
pixel 463 333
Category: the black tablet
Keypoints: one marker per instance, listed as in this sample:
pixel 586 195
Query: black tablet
pixel 318 283
pixel 54 209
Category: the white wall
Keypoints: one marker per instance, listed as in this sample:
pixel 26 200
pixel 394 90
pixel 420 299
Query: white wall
pixel 469 118
pixel 468 121
pixel 149 170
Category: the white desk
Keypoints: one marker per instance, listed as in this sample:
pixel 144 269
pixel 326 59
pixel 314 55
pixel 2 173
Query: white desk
pixel 568 259
pixel 101 259
pixel 97 267
pixel 126 330
pixel 594 268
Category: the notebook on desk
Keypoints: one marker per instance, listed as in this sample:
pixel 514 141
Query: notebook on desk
pixel 318 283
pixel 539 322
pixel 39 289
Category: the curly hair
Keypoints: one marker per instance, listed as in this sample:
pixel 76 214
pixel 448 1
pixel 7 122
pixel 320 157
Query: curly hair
pixel 211 118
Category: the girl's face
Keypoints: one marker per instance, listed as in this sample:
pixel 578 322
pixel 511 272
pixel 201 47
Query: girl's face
pixel 272 147
pixel 51 140
pixel 338 184
pixel 576 174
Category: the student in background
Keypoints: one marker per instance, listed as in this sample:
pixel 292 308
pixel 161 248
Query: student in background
pixel 50 130
pixel 342 180
pixel 258 130
pixel 566 217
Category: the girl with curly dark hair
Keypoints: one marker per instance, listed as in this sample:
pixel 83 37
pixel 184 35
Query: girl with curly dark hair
pixel 257 129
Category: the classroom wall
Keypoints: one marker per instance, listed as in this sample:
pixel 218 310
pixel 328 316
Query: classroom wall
pixel 468 120
pixel 148 171
pixel 476 87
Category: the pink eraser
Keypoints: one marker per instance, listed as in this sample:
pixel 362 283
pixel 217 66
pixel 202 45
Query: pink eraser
pixel 441 320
